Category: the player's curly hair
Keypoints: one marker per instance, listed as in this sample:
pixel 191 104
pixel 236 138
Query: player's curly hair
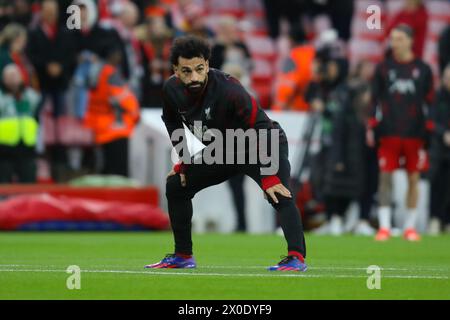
pixel 189 47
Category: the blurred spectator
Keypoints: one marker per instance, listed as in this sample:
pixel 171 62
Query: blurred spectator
pixel 189 17
pixel 293 79
pixel 242 74
pixel 13 41
pixel 112 113
pixel 155 49
pixel 228 47
pixel 362 77
pixel 338 13
pixel 18 128
pixel 444 49
pixel 415 15
pixel 328 43
pixel 125 18
pixel 338 169
pixel 18 11
pixel 363 71
pixel 51 49
pixel 142 5
pixel 304 11
pixel 341 14
pixel 97 38
pixel 62 14
pixel 93 41
pixel 22 12
pixel 345 166
pixel 440 160
pixel 290 9
pixel 6 13
pixel 182 14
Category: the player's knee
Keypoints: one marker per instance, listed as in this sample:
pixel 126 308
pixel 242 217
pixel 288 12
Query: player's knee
pixel 282 201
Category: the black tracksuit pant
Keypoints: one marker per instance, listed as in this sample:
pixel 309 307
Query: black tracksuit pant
pixel 440 191
pixel 115 157
pixel 200 176
pixel 236 184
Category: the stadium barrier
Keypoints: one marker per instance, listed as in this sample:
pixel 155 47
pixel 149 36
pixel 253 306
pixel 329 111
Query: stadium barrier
pixel 60 207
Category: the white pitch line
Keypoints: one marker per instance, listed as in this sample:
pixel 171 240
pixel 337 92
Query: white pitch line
pixel 332 268
pixel 301 275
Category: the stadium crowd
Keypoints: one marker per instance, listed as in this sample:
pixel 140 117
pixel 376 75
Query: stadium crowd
pixel 99 76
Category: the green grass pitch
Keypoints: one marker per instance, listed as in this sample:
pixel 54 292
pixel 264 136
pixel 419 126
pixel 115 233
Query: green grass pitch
pixel 230 266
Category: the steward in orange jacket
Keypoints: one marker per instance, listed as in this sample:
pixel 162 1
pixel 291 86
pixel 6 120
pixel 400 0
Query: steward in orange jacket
pixel 113 110
pixel 292 81
pixel 112 113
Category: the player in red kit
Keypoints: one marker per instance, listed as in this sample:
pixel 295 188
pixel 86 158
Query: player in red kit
pixel 402 90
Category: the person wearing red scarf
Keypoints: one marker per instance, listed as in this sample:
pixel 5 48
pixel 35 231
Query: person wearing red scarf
pixel 51 49
pixel 13 40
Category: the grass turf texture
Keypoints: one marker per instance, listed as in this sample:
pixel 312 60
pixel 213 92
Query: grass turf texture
pixel 33 266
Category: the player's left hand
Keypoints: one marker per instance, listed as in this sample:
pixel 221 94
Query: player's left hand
pixel 280 189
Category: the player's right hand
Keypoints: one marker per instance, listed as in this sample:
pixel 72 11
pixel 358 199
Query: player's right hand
pixel 182 177
pixel 171 173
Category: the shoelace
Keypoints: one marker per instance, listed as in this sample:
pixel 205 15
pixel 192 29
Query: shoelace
pixel 169 255
pixel 286 259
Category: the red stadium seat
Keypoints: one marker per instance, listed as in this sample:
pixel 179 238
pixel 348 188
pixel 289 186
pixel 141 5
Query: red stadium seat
pixel 231 7
pixel 261 47
pixel 254 7
pixel 69 130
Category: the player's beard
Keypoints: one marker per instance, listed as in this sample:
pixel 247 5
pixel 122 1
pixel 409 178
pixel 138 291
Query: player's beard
pixel 197 87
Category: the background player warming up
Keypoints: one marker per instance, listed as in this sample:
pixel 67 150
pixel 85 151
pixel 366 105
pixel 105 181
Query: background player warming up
pixel 402 88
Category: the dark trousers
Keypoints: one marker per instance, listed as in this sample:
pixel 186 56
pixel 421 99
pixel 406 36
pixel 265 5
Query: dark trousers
pixel 237 189
pixel 201 176
pixel 23 167
pixel 336 205
pixel 58 151
pixel 440 191
pixel 57 98
pixel 115 157
pixel 371 173
pixel 275 10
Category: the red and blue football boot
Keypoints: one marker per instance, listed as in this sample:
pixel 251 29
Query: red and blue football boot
pixel 173 261
pixel 289 263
